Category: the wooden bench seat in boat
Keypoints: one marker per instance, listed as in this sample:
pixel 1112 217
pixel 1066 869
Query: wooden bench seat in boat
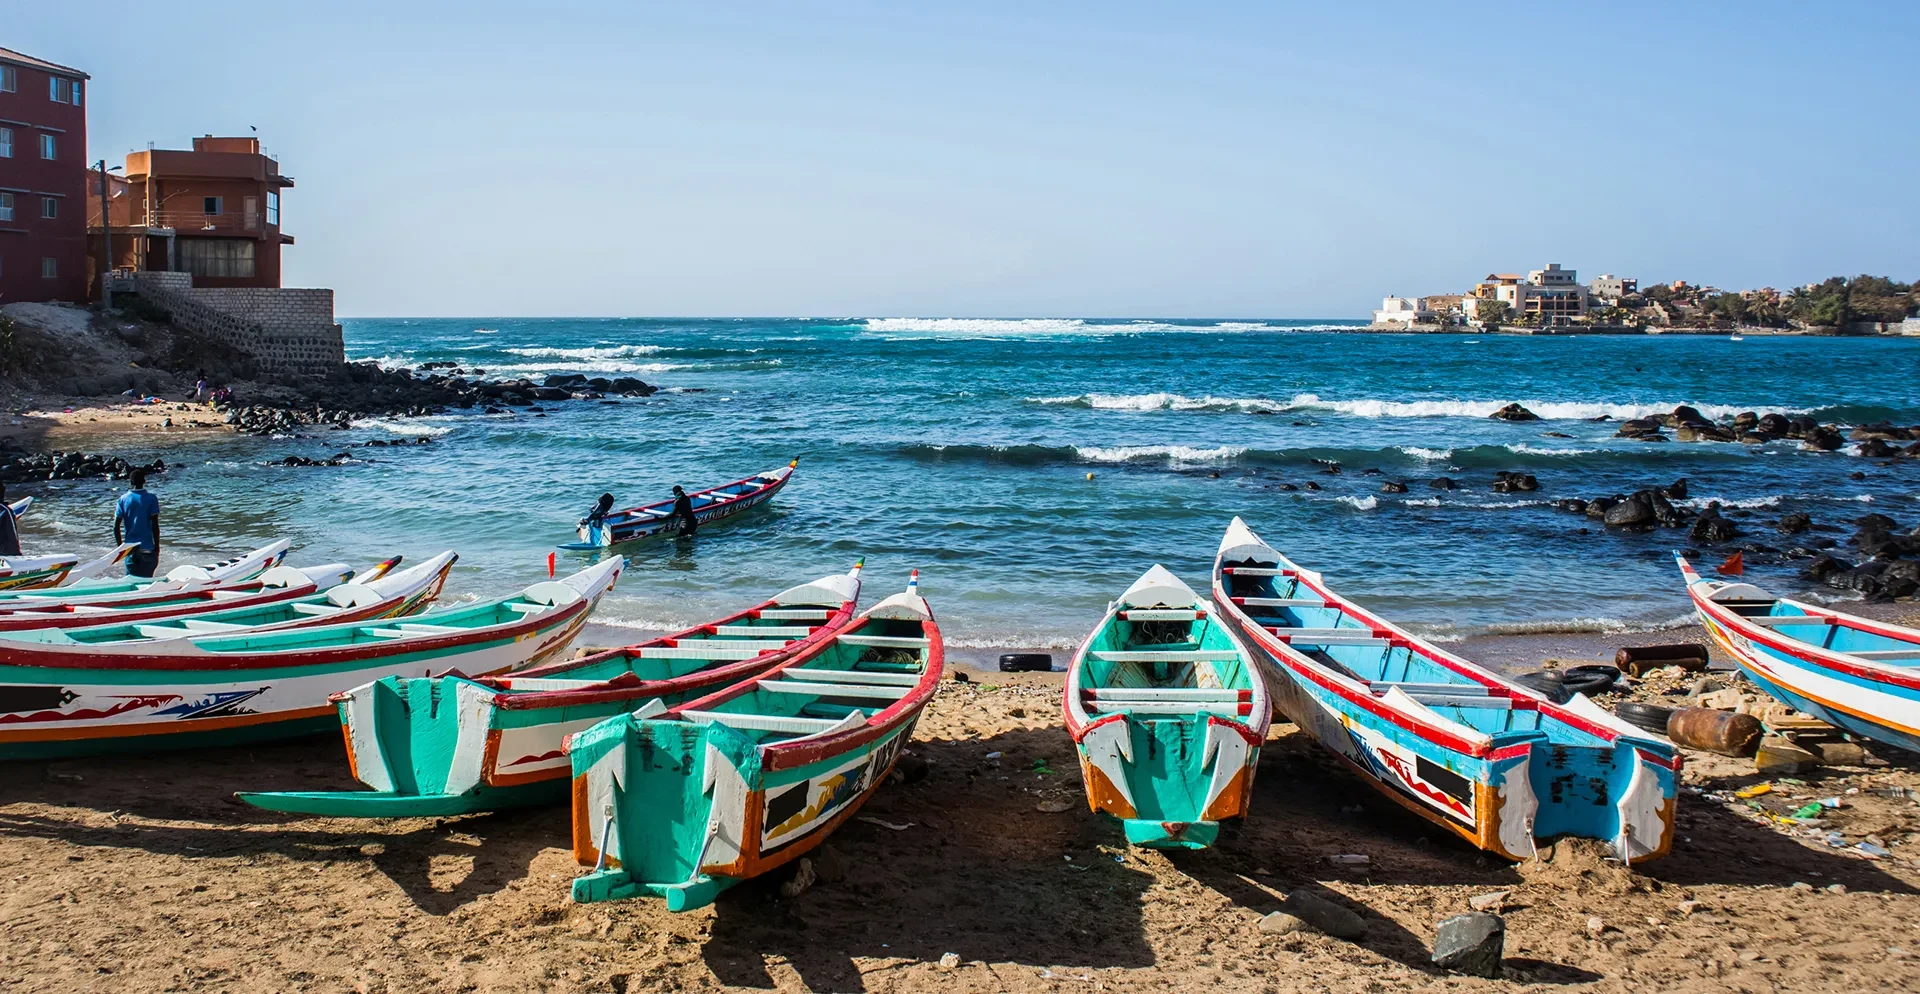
pixel 1776 620
pixel 1255 571
pixel 1162 614
pixel 835 689
pixel 773 723
pixel 1913 653
pixel 794 614
pixel 790 631
pixel 856 676
pixel 1329 636
pixel 314 609
pixel 1281 601
pixel 885 641
pixel 707 650
pixel 1225 709
pixel 545 683
pixel 1164 656
pixel 1144 694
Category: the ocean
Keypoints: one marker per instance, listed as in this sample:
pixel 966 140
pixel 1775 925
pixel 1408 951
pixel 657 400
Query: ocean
pixel 963 447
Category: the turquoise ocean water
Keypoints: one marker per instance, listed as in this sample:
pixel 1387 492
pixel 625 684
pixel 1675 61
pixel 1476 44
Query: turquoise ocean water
pixel 962 447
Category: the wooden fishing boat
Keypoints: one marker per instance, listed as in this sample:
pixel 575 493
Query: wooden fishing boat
pixel 1854 673
pixel 711 504
pixel 500 744
pixel 1487 759
pixel 398 595
pixel 249 686
pixel 19 507
pixel 1167 713
pixel 87 581
pixel 225 603
pixel 681 802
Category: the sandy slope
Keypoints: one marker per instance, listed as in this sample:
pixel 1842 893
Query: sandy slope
pixel 136 874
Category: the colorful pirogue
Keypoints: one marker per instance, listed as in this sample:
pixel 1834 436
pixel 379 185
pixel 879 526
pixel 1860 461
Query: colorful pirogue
pixel 85 582
pixel 1468 750
pixel 682 802
pixel 453 744
pixel 1167 713
pixel 1850 672
pixel 380 596
pixel 246 686
pixel 172 601
pixel 711 504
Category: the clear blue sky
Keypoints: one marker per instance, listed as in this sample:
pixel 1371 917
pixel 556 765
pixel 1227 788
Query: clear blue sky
pixel 987 158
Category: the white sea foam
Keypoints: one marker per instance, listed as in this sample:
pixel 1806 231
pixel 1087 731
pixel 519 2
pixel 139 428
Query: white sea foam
pixel 1071 326
pixel 403 427
pixel 486 331
pixel 1430 455
pixel 1367 503
pixel 1143 453
pixel 1423 502
pixel 591 352
pixel 1541 450
pixel 1552 410
pixel 1160 402
pixel 590 366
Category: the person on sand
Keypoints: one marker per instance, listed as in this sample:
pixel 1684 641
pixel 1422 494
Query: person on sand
pixel 683 512
pixel 137 520
pixel 199 387
pixel 9 527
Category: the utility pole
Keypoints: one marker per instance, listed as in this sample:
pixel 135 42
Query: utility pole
pixel 106 240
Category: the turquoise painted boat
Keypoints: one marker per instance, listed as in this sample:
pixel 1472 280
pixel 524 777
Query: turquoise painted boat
pixel 280 584
pixel 680 802
pixel 454 744
pixel 1167 714
pixel 88 582
pixel 197 690
pixel 395 595
pixel 1479 755
pixel 709 505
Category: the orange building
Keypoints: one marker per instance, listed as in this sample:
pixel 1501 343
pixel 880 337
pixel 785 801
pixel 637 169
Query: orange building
pixel 213 212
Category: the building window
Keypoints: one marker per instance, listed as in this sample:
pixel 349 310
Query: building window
pixel 224 257
pixel 273 207
pixel 49 268
pixel 6 206
pixel 9 79
pixel 49 207
pixel 48 149
pixel 6 143
pixel 63 91
pixel 210 206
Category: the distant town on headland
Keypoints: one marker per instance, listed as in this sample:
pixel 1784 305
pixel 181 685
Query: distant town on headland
pixel 1554 301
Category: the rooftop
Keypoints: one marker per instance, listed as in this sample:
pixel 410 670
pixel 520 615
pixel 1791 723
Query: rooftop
pixel 11 57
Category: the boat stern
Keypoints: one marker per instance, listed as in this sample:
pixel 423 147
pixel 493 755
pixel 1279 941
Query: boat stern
pixel 1620 788
pixel 418 736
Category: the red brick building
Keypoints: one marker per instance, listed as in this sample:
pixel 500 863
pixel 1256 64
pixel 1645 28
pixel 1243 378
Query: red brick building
pixel 43 173
pixel 213 212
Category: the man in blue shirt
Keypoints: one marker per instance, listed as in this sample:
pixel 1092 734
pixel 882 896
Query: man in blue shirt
pixel 137 518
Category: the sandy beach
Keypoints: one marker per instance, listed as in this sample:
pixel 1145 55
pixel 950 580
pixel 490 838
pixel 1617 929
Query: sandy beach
pixel 136 874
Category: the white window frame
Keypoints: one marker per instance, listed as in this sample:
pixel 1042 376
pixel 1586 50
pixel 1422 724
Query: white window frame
pixel 49 268
pixel 219 206
pixel 6 143
pixel 9 79
pixel 6 206
pixel 77 86
pixel 273 207
pixel 49 147
pixel 49 208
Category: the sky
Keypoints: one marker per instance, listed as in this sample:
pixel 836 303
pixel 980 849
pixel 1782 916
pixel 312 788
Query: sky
pixel 1017 159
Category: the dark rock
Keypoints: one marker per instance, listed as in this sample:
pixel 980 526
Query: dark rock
pixel 1636 427
pixel 1801 427
pixel 1443 483
pixel 1824 438
pixel 1311 485
pixel 1821 567
pixel 1772 425
pixel 1685 414
pixel 1677 490
pixel 1514 412
pixel 1599 506
pixel 1287 486
pixel 1794 523
pixel 572 381
pixel 1711 527
pixel 1471 943
pixel 1876 449
pixel 1391 487
pixel 1508 483
pixel 1875 522
pixel 1635 511
pixel 1573 504
pixel 1325 915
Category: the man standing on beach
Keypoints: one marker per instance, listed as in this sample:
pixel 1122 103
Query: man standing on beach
pixel 683 510
pixel 139 515
pixel 9 527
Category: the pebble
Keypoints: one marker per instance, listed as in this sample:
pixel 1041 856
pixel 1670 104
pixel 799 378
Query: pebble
pixel 1280 923
pixel 1471 943
pixel 1836 888
pixel 1493 901
pixel 1688 907
pixel 1596 925
pixel 948 961
pixel 803 878
pixel 1324 915
pixel 1802 887
pixel 1053 806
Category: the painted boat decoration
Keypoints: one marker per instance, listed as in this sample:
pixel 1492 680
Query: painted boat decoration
pixel 397 595
pixel 282 583
pixel 1487 759
pixel 682 802
pixel 86 581
pixel 1167 712
pixel 1857 674
pixel 224 593
pixel 711 504
pixel 34 572
pixel 501 742
pixel 19 507
pixel 252 686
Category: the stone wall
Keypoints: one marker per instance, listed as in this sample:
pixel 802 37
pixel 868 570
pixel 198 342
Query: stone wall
pixel 288 332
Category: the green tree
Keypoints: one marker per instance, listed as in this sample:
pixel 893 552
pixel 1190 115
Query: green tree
pixel 1494 313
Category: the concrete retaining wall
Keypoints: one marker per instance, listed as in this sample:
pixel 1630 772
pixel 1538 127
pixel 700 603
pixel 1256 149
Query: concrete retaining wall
pixel 288 332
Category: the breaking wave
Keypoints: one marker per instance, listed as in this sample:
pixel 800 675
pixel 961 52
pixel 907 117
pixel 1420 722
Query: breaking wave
pixel 403 427
pixel 1547 409
pixel 591 352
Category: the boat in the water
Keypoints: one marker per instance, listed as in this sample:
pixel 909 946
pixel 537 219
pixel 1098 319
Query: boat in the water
pixel 391 596
pixel 711 504
pixel 1167 712
pixel 680 802
pixel 1854 673
pixel 500 743
pixel 250 686
pixel 87 580
pixel 282 583
pixel 1488 759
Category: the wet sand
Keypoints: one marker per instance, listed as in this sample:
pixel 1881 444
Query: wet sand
pixel 138 873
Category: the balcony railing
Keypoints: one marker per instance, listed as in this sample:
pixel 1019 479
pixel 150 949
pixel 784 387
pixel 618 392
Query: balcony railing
pixel 231 222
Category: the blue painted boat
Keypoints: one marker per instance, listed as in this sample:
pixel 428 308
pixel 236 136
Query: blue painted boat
pixel 1854 673
pixel 711 504
pixel 1467 749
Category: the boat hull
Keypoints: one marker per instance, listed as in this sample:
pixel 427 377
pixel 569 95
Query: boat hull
pixel 620 533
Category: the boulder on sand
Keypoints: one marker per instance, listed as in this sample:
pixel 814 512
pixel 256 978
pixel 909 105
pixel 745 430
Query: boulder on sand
pixel 1471 943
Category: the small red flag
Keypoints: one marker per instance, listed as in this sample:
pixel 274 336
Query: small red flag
pixel 551 555
pixel 1734 566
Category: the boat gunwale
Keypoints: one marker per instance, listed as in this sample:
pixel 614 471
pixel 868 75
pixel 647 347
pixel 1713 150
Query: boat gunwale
pixel 115 613
pixel 1833 659
pixel 1079 722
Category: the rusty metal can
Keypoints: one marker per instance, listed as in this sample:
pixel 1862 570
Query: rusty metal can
pixel 1710 730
